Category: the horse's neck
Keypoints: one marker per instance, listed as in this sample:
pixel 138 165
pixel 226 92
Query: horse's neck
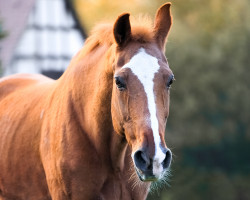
pixel 91 78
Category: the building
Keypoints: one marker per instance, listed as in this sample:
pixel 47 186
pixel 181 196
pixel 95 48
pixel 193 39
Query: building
pixel 42 36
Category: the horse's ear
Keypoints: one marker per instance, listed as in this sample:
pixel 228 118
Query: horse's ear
pixel 122 30
pixel 162 24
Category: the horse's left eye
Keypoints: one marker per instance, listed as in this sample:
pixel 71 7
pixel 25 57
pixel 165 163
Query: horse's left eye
pixel 120 83
pixel 170 81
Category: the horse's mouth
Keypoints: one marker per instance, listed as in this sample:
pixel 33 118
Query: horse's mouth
pixel 145 176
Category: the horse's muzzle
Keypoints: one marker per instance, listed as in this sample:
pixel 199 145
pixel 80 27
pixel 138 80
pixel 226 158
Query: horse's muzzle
pixel 150 169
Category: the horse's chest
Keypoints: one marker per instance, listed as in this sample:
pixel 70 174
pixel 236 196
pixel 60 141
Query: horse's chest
pixel 115 189
pixel 123 189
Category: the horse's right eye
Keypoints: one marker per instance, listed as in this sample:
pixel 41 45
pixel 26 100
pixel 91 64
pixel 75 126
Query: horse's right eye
pixel 170 81
pixel 120 83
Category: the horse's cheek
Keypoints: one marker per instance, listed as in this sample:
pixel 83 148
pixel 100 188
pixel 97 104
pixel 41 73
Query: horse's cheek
pixel 116 120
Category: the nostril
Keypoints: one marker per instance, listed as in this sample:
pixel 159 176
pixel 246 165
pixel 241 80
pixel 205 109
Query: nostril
pixel 167 161
pixel 141 160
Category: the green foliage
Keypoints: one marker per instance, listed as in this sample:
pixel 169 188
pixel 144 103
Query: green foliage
pixel 2 35
pixel 211 71
pixel 2 32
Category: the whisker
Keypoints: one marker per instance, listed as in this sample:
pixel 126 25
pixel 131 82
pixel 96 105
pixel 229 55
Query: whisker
pixel 162 183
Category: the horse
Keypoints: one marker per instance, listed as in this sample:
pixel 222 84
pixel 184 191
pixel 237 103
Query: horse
pixel 98 132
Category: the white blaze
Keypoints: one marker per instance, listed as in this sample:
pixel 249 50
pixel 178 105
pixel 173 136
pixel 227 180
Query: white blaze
pixel 145 66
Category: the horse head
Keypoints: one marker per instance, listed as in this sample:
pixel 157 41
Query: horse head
pixel 141 89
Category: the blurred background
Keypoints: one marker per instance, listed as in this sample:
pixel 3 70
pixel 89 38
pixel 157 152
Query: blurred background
pixel 209 51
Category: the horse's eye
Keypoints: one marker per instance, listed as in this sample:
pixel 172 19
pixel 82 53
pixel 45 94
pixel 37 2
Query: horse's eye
pixel 120 83
pixel 170 81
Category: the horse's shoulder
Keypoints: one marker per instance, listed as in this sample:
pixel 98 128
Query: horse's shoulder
pixel 15 82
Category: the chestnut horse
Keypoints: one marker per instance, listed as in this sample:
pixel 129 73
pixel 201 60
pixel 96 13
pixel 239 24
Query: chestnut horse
pixel 98 131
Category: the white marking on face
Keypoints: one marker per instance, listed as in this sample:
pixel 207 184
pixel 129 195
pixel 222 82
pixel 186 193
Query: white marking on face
pixel 145 66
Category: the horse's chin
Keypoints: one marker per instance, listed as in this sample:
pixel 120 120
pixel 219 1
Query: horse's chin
pixel 146 177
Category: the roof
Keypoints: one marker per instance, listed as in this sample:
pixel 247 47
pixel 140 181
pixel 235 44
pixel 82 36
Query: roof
pixel 70 7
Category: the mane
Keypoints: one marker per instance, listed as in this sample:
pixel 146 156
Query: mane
pixel 102 34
